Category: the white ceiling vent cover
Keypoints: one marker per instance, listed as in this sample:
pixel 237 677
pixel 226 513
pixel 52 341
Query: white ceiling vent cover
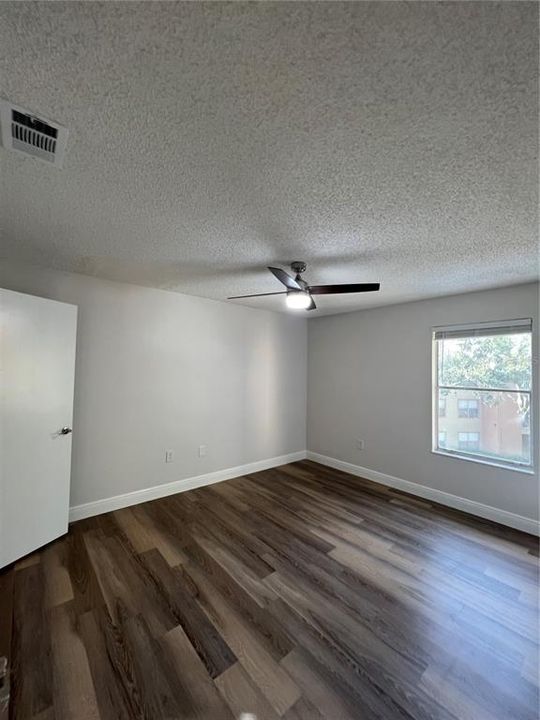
pixel 27 133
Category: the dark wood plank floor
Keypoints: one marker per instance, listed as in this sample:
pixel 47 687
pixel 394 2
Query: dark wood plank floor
pixel 300 592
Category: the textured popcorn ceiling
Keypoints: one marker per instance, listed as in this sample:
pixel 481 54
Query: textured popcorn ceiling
pixel 392 142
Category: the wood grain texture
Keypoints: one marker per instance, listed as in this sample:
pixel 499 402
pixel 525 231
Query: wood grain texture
pixel 299 593
pixel 6 621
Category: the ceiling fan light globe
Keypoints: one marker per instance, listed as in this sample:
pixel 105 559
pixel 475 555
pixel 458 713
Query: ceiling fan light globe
pixel 298 300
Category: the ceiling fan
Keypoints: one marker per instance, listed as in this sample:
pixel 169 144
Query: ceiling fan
pixel 299 293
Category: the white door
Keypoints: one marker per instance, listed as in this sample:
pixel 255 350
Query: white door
pixel 37 370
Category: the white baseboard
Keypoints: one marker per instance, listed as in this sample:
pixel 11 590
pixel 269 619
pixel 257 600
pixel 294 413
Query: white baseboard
pixel 97 507
pixel 519 522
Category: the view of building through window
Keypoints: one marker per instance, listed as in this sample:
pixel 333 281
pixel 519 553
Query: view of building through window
pixel 483 392
pixel 468 408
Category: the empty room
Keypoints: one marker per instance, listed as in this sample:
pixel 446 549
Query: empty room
pixel 269 360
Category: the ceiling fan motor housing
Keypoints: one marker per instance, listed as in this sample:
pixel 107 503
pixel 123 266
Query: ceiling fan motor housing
pixel 298 267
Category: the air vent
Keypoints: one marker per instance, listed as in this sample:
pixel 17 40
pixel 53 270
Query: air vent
pixel 24 132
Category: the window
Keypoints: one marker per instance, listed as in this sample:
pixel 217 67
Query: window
pixel 482 392
pixel 468 440
pixel 442 406
pixel 467 408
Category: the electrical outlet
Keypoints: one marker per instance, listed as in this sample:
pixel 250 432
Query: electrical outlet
pixel 202 450
pixel 359 444
pixel 169 456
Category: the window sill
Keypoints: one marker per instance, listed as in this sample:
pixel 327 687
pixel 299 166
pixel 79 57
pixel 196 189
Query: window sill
pixel 481 461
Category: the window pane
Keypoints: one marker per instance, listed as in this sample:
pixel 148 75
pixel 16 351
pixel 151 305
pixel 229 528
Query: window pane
pixel 498 428
pixel 468 441
pixel 496 361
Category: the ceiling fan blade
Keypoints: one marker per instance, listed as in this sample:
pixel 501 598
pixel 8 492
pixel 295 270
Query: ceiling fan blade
pixel 346 288
pixel 238 297
pixel 285 278
pixel 312 306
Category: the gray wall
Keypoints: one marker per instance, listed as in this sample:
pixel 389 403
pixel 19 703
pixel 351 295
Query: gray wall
pixel 369 378
pixel 157 370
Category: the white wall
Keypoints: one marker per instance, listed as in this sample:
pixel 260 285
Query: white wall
pixel 369 377
pixel 157 370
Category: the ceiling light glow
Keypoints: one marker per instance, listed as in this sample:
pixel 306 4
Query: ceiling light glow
pixel 298 300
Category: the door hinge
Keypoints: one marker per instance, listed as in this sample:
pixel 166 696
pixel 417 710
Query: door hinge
pixel 4 684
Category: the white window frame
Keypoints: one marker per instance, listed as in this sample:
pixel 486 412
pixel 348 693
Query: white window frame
pixel 474 456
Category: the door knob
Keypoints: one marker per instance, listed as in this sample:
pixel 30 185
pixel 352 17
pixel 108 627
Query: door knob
pixel 65 431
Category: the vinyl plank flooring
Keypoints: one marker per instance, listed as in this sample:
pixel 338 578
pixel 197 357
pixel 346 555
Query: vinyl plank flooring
pixel 157 696
pixel 210 645
pixel 6 624
pixel 57 580
pixel 269 631
pixel 110 667
pixel 242 695
pixel 298 592
pixel 31 671
pixel 320 693
pixel 273 681
pixel 73 688
pixel 304 710
pixel 201 699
